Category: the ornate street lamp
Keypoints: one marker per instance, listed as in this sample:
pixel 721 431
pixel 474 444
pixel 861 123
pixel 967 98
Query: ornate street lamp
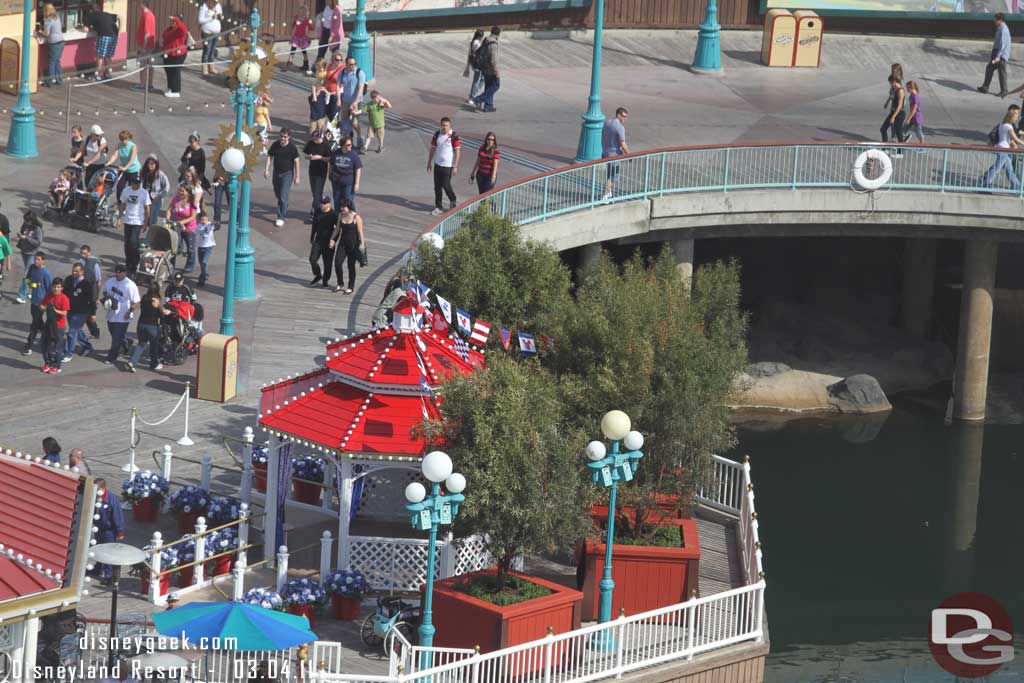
pixel 708 58
pixel 21 140
pixel 359 42
pixel 607 470
pixel 589 148
pixel 429 512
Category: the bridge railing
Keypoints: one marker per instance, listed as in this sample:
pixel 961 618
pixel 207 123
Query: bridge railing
pixel 739 167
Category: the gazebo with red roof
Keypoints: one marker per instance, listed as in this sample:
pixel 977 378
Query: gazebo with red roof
pixel 358 412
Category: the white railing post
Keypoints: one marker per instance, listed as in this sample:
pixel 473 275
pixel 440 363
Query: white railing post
pixel 243 533
pixel 197 568
pixel 154 560
pixel 759 613
pixel 620 629
pixel 245 489
pixel 325 555
pixel 204 473
pixel 548 646
pixel 327 497
pixel 282 568
pixel 165 465
pixel 238 589
pixel 475 675
pixel 691 618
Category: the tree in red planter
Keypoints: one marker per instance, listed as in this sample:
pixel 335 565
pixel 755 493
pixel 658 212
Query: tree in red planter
pixel 346 588
pixel 302 597
pixel 146 491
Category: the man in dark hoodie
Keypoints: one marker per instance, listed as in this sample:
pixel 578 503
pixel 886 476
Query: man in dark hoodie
pixel 487 62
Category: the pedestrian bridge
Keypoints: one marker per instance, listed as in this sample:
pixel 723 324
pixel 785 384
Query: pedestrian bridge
pixel 761 190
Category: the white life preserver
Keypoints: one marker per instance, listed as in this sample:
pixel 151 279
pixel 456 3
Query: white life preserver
pixel 862 160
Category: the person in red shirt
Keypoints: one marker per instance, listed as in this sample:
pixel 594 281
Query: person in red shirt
pixel 145 39
pixel 56 306
pixel 174 42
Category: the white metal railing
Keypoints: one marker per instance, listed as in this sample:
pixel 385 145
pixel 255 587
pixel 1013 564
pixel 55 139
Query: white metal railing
pixel 732 492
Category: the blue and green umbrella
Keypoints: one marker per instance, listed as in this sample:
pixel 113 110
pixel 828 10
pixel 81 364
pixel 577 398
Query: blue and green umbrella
pixel 249 626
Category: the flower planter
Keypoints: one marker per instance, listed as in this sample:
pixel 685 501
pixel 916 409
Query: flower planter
pixel 259 477
pixel 187 522
pixel 646 577
pixel 220 566
pixel 306 492
pixel 465 621
pixel 145 510
pixel 185 576
pixel 303 611
pixel 165 583
pixel 345 608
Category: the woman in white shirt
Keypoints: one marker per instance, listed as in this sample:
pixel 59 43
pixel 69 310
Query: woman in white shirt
pixel 53 35
pixel 1004 160
pixel 95 156
pixel 210 14
pixel 325 30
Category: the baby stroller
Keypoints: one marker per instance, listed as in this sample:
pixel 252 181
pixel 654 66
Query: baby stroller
pixel 156 257
pixel 77 174
pixel 96 204
pixel 180 330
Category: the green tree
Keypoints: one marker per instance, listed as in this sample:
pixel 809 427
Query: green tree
pixel 640 341
pixel 489 269
pixel 507 430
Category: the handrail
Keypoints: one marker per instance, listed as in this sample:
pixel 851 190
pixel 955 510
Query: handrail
pixel 721 168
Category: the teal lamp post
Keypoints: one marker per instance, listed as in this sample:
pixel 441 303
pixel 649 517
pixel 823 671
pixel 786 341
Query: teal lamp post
pixel 607 470
pixel 589 148
pixel 359 42
pixel 708 59
pixel 233 162
pixel 244 101
pixel 21 140
pixel 428 513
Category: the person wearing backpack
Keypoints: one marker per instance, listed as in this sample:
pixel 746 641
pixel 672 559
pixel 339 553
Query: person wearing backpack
pixel 30 239
pixel 1004 162
pixel 476 76
pixel 487 62
pixel 351 88
pixel 94 274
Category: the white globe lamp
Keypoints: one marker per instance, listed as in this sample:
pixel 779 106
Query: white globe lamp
pixel 433 239
pixel 634 441
pixel 415 492
pixel 437 466
pixel 232 160
pixel 249 72
pixel 456 483
pixel 615 425
pixel 596 451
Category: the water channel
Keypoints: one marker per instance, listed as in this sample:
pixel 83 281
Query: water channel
pixel 868 524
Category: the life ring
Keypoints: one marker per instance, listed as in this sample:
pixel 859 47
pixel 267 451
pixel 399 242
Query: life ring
pixel 862 161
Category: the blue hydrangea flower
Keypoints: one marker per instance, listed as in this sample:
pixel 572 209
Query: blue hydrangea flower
pixel 303 592
pixel 349 583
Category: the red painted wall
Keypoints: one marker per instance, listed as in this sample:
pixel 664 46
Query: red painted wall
pixel 81 54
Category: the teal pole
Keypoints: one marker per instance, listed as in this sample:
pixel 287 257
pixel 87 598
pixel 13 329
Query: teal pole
pixel 607 585
pixel 589 147
pixel 227 320
pixel 708 58
pixel 359 42
pixel 426 630
pixel 244 254
pixel 21 140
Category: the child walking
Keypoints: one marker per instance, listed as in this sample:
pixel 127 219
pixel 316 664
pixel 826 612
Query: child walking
pixel 261 120
pixel 206 243
pixel 915 119
pixel 375 113
pixel 302 25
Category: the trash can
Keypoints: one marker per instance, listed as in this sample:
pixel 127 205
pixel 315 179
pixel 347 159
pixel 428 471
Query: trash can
pixel 808 39
pixel 217 368
pixel 778 38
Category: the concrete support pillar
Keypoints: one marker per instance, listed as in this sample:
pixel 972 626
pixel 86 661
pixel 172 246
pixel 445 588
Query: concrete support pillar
pixel 918 286
pixel 589 254
pixel 682 249
pixel 971 381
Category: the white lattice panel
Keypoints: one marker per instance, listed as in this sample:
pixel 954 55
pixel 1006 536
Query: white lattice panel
pixel 471 556
pixel 392 564
pixel 5 638
pixel 383 490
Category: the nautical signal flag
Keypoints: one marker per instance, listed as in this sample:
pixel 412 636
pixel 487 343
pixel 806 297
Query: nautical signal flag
pixel 481 331
pixel 527 344
pixel 461 347
pixel 463 320
pixel 446 307
pixel 506 336
pixel 438 322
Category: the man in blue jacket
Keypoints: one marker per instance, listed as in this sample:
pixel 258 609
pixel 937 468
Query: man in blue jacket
pixel 999 57
pixel 109 520
pixel 38 281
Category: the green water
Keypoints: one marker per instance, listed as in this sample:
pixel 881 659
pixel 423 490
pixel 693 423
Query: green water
pixel 867 525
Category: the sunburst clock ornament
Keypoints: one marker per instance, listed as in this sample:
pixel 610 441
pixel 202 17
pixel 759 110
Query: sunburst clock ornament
pixel 242 155
pixel 253 69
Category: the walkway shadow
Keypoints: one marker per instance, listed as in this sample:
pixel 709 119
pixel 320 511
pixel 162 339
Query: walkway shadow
pixel 750 56
pixel 952 85
pixel 291 279
pixel 847 135
pixel 395 200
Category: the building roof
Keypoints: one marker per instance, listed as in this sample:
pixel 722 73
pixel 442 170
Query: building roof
pixel 39 510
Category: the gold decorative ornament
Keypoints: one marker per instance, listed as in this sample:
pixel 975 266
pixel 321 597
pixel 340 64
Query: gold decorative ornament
pixel 226 140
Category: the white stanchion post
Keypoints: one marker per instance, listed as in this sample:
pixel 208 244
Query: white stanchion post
pixel 282 568
pixel 155 596
pixel 204 473
pixel 245 492
pixel 197 573
pixel 185 440
pixel 166 461
pixel 243 533
pixel 131 468
pixel 325 555
pixel 238 589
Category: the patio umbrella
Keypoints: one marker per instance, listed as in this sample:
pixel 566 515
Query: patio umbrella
pixel 251 627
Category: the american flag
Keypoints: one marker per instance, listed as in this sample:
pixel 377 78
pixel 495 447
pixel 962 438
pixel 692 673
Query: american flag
pixel 462 348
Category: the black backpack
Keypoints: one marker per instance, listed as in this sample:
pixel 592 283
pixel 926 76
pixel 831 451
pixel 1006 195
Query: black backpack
pixel 481 58
pixel 993 137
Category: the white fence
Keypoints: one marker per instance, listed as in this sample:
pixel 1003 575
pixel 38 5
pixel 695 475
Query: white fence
pixel 733 492
pixel 400 564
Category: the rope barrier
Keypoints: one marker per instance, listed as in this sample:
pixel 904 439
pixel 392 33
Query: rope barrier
pixel 169 416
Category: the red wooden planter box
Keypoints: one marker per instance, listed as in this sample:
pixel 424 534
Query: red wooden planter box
pixel 303 611
pixel 145 510
pixel 666 507
pixel 260 477
pixel 345 608
pixel 646 577
pixel 220 566
pixel 464 621
pixel 306 492
pixel 187 522
pixel 165 583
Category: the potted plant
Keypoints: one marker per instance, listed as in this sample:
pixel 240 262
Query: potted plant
pixel 259 466
pixel 302 596
pixel 145 490
pixel 265 598
pixel 223 510
pixel 186 556
pixel 168 560
pixel 307 473
pixel 189 503
pixel 219 545
pixel 346 588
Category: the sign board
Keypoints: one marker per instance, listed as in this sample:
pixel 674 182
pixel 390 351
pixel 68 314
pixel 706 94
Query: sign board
pixel 446 514
pixel 217 368
pixel 606 477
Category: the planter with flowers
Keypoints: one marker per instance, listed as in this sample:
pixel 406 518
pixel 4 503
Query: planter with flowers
pixel 169 559
pixel 259 466
pixel 302 597
pixel 346 589
pixel 146 491
pixel 307 473
pixel 265 598
pixel 189 503
pixel 222 510
pixel 186 555
pixel 219 545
